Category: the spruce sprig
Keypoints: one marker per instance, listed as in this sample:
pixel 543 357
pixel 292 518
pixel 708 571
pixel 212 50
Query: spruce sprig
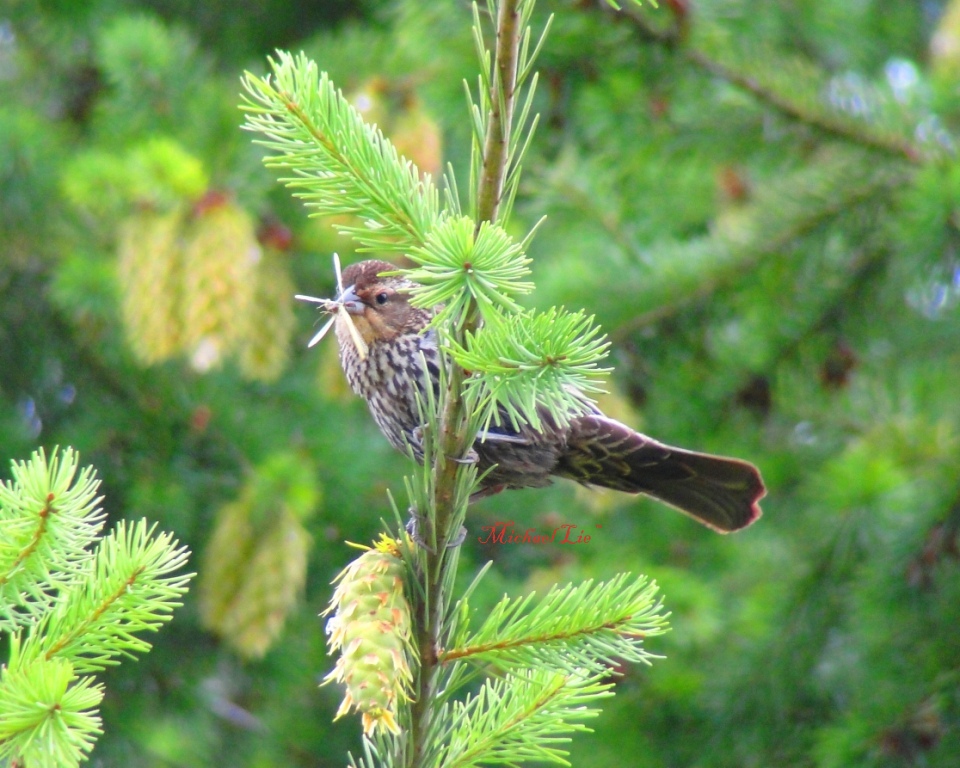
pixel 528 364
pixel 48 715
pixel 460 263
pixel 338 163
pixel 523 717
pixel 50 516
pixel 132 584
pixel 576 627
pixel 95 594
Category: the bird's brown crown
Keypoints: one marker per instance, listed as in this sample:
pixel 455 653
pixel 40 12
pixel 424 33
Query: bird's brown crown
pixel 365 273
pixel 387 312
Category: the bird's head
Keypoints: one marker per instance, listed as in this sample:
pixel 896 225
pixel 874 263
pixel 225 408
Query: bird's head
pixel 371 307
pixel 378 305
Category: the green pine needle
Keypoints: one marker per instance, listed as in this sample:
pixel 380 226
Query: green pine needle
pixel 50 515
pixel 130 586
pixel 48 716
pixel 584 626
pixel 339 164
pixel 524 717
pixel 527 363
pixel 459 263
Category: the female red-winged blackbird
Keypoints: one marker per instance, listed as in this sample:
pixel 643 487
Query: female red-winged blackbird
pixel 384 345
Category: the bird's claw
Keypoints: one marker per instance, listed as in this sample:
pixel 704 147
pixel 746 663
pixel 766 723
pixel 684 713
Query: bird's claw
pixel 413 528
pixel 458 538
pixel 472 457
pixel 416 440
pixel 490 490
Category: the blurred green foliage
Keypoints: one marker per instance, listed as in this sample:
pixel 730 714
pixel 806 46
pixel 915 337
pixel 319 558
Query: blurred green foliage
pixel 759 202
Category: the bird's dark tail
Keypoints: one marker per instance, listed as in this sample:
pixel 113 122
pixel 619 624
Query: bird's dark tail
pixel 720 492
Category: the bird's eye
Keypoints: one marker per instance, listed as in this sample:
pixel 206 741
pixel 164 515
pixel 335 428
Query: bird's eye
pixel 382 298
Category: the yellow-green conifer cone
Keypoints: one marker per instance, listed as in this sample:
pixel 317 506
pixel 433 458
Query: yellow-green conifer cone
pixel 255 564
pixel 265 342
pixel 220 258
pixel 251 582
pixel 371 628
pixel 226 561
pixel 150 270
pixel 274 580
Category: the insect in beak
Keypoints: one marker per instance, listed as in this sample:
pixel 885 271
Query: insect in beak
pixel 343 306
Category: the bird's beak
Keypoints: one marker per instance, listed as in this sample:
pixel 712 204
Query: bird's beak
pixel 350 301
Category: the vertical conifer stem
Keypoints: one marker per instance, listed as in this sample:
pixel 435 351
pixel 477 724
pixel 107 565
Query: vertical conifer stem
pixel 503 94
pixel 454 438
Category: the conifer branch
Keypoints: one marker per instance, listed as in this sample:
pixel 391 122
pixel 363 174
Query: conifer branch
pixel 525 362
pixel 778 86
pixel 523 717
pixel 340 165
pixel 462 265
pixel 499 124
pixel 50 516
pixel 808 111
pixel 585 626
pixel 48 716
pixel 131 586
pixel 680 275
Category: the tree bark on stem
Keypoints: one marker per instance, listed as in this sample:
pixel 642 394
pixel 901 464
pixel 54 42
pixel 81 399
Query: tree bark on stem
pixel 439 563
